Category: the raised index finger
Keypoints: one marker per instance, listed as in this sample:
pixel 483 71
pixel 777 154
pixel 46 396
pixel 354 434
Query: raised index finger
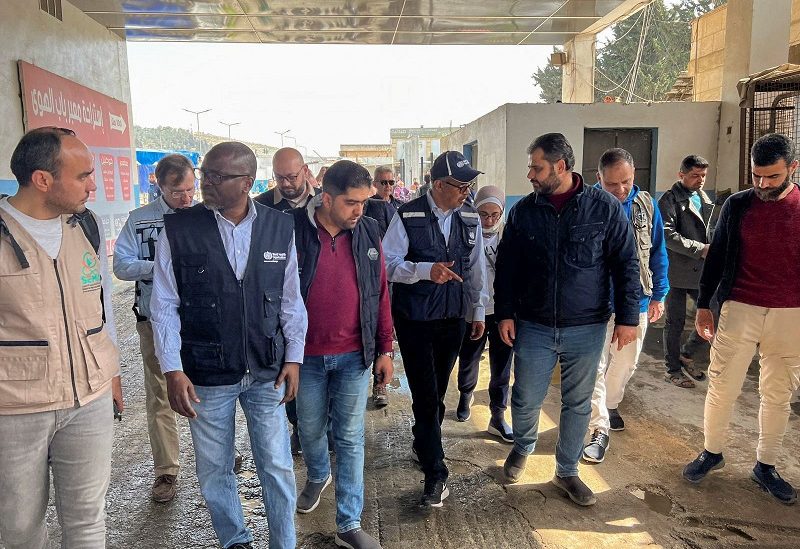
pixel 453 275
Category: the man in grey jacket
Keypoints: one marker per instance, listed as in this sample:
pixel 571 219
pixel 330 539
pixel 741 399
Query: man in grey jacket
pixel 686 210
pixel 134 254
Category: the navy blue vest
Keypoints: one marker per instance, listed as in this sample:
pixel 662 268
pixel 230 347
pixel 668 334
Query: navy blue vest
pixel 426 300
pixel 229 327
pixel 366 252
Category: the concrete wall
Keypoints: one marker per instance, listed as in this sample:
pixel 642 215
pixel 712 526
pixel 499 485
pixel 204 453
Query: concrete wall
pixel 490 133
pixel 504 134
pixel 77 48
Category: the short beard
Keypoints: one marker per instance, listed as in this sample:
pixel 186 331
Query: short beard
pixel 549 185
pixel 773 194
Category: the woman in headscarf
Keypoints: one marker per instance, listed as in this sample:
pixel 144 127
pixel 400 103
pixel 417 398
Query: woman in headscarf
pixel 490 203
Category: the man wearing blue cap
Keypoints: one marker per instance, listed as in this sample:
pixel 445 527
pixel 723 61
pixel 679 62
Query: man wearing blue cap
pixel 434 257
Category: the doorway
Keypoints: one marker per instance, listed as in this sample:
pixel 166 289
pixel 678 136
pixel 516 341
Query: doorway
pixel 640 142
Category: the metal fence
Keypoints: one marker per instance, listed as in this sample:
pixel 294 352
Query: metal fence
pixel 774 110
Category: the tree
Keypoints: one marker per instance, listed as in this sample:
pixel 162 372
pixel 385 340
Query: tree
pixel 548 78
pixel 643 56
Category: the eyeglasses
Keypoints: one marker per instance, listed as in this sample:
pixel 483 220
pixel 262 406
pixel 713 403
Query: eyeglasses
pixel 463 187
pixel 493 216
pixel 291 178
pixel 180 194
pixel 386 182
pixel 216 178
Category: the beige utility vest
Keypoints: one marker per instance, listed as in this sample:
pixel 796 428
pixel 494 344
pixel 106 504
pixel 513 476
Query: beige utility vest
pixel 54 352
pixel 642 221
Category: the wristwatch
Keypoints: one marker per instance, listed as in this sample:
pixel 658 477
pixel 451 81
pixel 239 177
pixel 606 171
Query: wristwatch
pixel 390 354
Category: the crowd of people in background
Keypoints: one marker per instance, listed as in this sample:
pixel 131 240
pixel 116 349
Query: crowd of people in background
pixel 289 304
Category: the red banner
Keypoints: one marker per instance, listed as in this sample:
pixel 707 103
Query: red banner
pixel 107 172
pixel 50 100
pixel 124 166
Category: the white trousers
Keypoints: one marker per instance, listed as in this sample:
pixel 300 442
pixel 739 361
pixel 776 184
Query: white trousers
pixel 613 372
pixel 776 333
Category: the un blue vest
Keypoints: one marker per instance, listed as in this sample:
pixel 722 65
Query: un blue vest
pixel 229 327
pixel 426 300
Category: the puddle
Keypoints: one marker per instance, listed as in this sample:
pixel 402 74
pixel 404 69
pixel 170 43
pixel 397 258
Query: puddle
pixel 659 503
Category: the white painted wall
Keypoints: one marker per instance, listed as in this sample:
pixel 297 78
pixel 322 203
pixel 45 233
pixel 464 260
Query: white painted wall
pixel 77 48
pixel 504 134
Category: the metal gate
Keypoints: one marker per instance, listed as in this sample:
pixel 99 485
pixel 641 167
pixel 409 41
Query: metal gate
pixel 770 105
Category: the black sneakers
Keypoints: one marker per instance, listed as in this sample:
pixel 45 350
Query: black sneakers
pixel 434 493
pixel 595 451
pixel 615 420
pixel 575 489
pixel 770 481
pixel 499 428
pixel 514 466
pixel 464 403
pixel 702 465
pixel 294 441
pixel 309 498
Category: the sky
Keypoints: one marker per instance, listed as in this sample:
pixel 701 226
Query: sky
pixel 326 95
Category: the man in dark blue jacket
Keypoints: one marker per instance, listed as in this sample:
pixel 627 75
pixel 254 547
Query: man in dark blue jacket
pixel 562 248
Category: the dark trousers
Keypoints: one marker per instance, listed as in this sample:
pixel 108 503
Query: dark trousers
pixel 499 365
pixel 674 321
pixel 291 413
pixel 429 350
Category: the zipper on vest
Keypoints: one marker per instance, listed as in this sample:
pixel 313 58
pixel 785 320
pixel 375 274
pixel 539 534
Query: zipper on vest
pixel 66 330
pixel 244 327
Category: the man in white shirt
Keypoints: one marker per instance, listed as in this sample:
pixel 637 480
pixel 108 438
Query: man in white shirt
pixel 58 357
pixel 434 257
pixel 134 255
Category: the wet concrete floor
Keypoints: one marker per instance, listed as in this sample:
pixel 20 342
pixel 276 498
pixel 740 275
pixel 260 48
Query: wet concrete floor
pixel 642 499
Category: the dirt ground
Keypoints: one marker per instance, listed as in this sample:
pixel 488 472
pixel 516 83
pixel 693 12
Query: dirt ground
pixel 642 498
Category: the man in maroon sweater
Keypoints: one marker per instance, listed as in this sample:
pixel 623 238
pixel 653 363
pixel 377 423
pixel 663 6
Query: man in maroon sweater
pixel 343 282
pixel 754 266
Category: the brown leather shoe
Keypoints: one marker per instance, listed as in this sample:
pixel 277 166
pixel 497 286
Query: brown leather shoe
pixel 164 488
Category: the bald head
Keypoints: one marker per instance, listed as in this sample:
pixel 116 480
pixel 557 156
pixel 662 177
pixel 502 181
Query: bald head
pixel 290 171
pixel 237 155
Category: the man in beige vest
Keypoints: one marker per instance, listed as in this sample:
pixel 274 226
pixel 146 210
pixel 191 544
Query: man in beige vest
pixel 59 364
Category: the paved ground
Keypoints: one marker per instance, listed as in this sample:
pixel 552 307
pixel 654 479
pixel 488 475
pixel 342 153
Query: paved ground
pixel 642 499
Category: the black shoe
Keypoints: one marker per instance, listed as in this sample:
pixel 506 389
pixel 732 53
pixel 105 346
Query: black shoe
pixel 577 491
pixel 295 443
pixel 237 462
pixel 240 546
pixel 434 493
pixel 514 466
pixel 499 428
pixel 464 402
pixel 615 420
pixel 770 481
pixel 702 465
pixel 595 451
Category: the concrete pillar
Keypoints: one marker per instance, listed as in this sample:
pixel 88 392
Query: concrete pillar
pixel 756 38
pixel 577 78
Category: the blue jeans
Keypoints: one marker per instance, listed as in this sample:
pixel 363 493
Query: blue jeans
pixel 213 434
pixel 335 385
pixel 537 348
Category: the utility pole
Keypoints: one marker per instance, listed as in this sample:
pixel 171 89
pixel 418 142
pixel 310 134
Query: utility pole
pixel 229 124
pixel 197 117
pixel 282 134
